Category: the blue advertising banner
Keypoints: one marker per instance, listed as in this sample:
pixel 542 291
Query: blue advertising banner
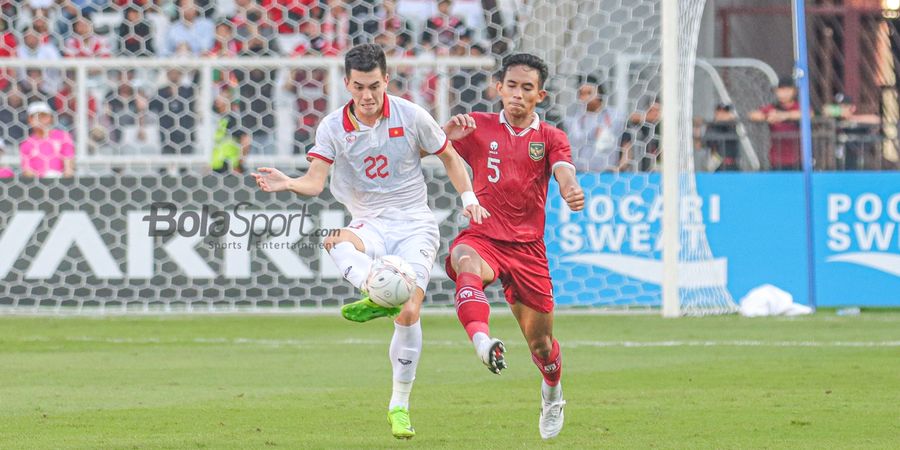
pixel 857 217
pixel 610 253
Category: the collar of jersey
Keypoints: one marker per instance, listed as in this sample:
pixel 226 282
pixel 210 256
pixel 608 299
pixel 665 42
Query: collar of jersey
pixel 350 121
pixel 535 124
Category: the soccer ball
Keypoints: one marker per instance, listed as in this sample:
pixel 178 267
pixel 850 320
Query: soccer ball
pixel 391 281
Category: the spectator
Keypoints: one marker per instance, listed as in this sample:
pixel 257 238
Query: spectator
pixel 135 35
pixel 858 135
pixel 257 39
pixel 77 9
pixel 231 143
pixel 33 86
pixel 47 152
pixel 387 22
pixel 313 43
pixel 125 115
pixel 309 86
pixel 287 15
pixel 13 118
pixel 722 140
pixel 641 138
pixel 84 43
pixel 416 13
pixel 595 131
pixel 174 105
pixel 190 34
pixel 248 12
pixel 64 102
pixel 7 50
pixel 34 50
pixel 783 117
pixel 5 172
pixel 443 30
pixel 336 26
pixel 472 13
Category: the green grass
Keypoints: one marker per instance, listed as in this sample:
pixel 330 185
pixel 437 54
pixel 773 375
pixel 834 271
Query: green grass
pixel 320 382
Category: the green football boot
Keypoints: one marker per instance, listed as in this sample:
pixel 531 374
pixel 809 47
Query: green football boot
pixel 401 428
pixel 364 310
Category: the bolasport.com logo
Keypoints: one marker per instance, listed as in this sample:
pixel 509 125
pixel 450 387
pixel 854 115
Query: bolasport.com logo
pixel 245 227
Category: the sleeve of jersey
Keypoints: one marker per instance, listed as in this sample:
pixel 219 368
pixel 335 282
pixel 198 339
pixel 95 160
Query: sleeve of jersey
pixel 323 149
pixel 560 151
pixel 429 134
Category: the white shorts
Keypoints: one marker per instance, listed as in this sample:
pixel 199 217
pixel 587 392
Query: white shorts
pixel 417 242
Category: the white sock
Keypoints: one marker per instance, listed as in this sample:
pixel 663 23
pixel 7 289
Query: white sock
pixel 551 393
pixel 406 345
pixel 354 264
pixel 479 339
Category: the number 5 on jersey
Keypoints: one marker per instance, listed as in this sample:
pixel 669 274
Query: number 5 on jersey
pixel 376 167
pixel 494 166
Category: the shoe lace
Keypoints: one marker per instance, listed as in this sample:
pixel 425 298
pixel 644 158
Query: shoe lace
pixel 554 409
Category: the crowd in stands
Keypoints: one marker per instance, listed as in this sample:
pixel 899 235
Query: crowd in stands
pixel 136 111
pixel 133 111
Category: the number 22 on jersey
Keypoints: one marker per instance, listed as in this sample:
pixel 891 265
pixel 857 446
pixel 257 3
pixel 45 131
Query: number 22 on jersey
pixel 376 166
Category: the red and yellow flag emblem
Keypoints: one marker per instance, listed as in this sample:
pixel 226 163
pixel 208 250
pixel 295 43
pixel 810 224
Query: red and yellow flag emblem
pixel 395 132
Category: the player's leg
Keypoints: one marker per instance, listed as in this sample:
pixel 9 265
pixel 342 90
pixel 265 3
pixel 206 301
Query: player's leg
pixel 352 250
pixel 417 244
pixel 537 327
pixel 529 292
pixel 348 252
pixel 471 273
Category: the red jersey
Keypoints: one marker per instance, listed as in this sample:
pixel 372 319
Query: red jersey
pixel 511 171
pixel 785 136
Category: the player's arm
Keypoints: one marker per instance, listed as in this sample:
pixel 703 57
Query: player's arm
pixel 569 188
pixel 310 184
pixel 459 177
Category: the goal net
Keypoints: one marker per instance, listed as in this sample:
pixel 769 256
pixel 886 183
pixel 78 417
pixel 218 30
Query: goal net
pixel 149 128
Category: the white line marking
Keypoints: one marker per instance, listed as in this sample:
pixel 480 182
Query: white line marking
pixel 458 343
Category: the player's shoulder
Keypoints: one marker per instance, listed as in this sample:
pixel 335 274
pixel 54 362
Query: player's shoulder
pixel 404 107
pixel 485 117
pixel 552 131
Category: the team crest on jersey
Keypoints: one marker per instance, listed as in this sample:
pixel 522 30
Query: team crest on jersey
pixel 351 138
pixel 494 146
pixel 536 150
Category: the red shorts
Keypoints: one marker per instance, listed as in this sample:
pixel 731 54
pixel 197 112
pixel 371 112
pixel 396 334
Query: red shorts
pixel 521 267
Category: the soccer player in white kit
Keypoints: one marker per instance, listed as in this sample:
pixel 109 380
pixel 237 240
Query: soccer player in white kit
pixel 375 144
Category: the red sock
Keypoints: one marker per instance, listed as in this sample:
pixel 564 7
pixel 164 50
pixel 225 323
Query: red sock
pixel 472 306
pixel 551 368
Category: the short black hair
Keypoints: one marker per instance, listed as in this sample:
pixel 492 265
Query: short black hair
pixel 365 58
pixel 525 59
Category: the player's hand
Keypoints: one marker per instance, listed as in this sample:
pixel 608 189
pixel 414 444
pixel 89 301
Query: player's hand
pixel 476 213
pixel 459 126
pixel 271 180
pixel 574 197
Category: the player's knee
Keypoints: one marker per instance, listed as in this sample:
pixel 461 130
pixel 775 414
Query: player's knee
pixel 332 240
pixel 466 259
pixel 540 346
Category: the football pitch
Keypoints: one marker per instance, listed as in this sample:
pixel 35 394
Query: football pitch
pixel 304 381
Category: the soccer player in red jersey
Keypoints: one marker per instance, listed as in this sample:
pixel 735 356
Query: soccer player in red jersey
pixel 512 155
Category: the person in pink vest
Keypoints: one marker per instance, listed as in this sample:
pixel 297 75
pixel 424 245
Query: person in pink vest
pixel 47 152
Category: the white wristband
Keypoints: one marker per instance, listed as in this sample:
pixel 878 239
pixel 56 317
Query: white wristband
pixel 468 198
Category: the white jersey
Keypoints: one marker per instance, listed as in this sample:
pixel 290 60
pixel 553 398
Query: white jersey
pixel 378 170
